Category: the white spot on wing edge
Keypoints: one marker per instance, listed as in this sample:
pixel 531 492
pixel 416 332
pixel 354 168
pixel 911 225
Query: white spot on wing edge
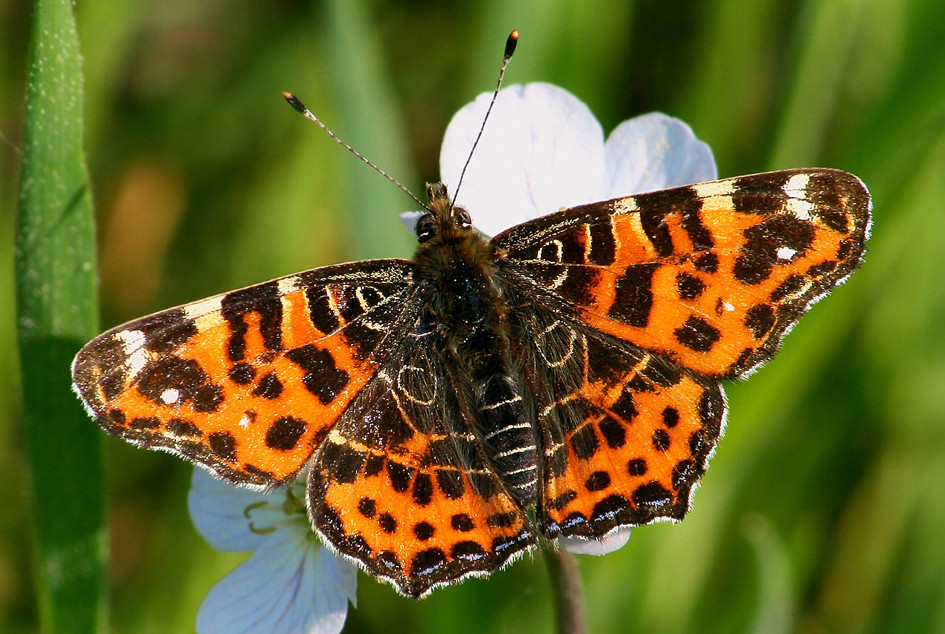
pixel 170 396
pixel 133 343
pixel 204 307
pixel 289 284
pixel 714 188
pixel 797 202
pixel 204 312
pixel 801 209
pixel 796 186
pixel 131 340
pixel 625 205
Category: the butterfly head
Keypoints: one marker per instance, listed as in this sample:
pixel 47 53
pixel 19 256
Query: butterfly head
pixel 443 222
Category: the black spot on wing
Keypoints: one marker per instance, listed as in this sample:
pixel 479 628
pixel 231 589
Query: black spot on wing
pixel 791 286
pixel 697 334
pixel 760 195
pixel 603 251
pixel 223 445
pixel 707 262
pixel 655 206
pixel 462 522
pixel 242 373
pixel 322 377
pixel 637 467
pixel 264 300
pixel 634 295
pixel 572 248
pixel 269 387
pixel 343 462
pixel 166 331
pixel 285 433
pixel 319 309
pixel 160 377
pixel 760 320
pixel 824 192
pixel 689 287
pixel 180 427
pixel 759 254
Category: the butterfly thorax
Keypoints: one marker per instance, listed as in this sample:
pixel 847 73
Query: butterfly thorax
pixel 465 306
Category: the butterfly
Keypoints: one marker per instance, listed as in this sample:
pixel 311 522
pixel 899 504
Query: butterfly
pixel 561 379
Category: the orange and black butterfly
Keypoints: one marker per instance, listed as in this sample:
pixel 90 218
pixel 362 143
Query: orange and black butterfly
pixel 559 380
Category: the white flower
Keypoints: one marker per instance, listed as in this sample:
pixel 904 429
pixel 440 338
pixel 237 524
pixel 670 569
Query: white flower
pixel 291 583
pixel 543 150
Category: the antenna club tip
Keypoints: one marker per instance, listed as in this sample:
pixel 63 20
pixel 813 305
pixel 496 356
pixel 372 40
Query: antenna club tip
pixel 510 43
pixel 294 101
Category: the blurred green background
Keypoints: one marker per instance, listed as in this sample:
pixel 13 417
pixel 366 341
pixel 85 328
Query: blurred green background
pixel 824 508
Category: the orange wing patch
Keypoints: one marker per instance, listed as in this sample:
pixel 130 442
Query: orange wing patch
pixel 249 382
pixel 711 275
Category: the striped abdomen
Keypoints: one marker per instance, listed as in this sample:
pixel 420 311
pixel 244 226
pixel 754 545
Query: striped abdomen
pixel 500 417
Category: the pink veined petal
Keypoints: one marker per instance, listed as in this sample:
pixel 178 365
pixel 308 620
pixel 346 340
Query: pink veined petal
pixel 542 150
pixel 218 510
pixel 655 151
pixel 291 584
pixel 611 542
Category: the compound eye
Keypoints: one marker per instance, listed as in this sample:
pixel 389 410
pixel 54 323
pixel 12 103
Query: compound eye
pixel 463 221
pixel 426 228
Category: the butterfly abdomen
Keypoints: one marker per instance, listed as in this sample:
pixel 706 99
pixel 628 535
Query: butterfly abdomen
pixel 496 406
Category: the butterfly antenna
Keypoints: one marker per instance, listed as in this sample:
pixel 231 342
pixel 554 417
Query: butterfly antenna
pixel 509 49
pixel 305 112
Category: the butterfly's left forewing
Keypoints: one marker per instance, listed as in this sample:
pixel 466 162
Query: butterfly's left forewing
pixel 247 383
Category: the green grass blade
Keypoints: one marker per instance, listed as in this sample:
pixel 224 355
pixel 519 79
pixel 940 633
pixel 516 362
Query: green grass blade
pixel 56 295
pixel 371 123
pixel 827 47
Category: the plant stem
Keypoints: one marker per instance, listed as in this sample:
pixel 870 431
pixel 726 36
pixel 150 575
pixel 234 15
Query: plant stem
pixel 566 579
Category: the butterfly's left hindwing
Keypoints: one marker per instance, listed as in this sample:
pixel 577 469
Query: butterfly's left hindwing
pixel 247 383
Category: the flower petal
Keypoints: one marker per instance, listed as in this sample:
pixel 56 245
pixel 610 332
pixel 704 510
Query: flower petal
pixel 655 151
pixel 608 544
pixel 219 509
pixel 410 218
pixel 542 150
pixel 291 584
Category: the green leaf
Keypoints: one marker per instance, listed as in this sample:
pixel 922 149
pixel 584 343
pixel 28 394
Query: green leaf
pixel 55 271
